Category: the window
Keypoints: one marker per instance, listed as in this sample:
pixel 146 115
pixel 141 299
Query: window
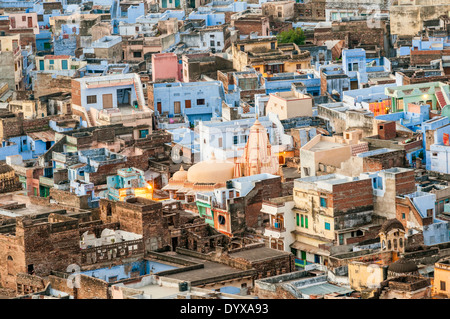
pixel 306 171
pixel 137 54
pixel 242 48
pixel 221 219
pixel 30 269
pixel 323 202
pixel 218 43
pixel 91 99
pixel 306 221
pixel 112 279
pixel 327 226
pixel 52 61
pixel 235 139
pixel 302 221
pixel 298 219
pixel 201 102
pixel 24 18
pixel 143 133
pixel 272 45
pixel 443 287
pixel 211 43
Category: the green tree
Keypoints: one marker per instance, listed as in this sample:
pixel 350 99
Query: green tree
pixel 292 36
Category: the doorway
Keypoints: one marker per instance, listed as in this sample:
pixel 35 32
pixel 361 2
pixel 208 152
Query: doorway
pixel 107 101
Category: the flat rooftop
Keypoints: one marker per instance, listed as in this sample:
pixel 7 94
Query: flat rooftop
pixel 326 145
pixel 257 254
pixel 18 199
pixel 210 270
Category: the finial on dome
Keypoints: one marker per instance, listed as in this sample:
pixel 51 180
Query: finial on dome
pixel 181 168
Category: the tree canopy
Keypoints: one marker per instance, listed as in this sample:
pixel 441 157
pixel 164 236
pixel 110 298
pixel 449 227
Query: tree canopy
pixel 292 36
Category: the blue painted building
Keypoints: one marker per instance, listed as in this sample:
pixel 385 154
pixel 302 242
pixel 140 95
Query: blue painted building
pixel 196 101
pixel 126 271
pixel 44 41
pixel 435 232
pixel 25 146
pixel 283 83
pixel 211 17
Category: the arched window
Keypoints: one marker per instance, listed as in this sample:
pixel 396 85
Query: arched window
pixel 400 242
pixel 395 243
pixel 389 244
pixel 383 245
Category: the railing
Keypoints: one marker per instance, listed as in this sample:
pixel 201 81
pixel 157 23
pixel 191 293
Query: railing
pixel 302 263
pixel 203 198
pixel 278 229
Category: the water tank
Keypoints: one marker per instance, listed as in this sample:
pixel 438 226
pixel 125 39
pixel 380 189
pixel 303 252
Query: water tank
pixel 183 286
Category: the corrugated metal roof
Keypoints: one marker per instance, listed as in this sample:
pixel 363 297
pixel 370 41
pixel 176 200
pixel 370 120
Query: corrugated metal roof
pixel 323 289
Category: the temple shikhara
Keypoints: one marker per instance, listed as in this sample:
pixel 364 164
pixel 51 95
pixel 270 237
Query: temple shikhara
pixel 224 149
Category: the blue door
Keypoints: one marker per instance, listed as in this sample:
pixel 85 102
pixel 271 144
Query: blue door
pixel 64 64
pixel 41 65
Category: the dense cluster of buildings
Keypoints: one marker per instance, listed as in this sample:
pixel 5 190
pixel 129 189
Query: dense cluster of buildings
pixel 179 149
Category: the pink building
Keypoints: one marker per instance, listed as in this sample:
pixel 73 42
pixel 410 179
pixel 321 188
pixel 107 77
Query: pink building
pixel 20 21
pixel 166 66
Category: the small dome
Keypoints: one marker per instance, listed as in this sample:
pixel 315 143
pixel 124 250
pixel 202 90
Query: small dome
pixel 403 266
pixel 211 172
pixel 391 224
pixel 181 175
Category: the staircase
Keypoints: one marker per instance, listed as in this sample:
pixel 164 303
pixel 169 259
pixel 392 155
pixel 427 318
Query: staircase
pixel 90 119
pixel 139 92
pixel 440 98
pixel 277 137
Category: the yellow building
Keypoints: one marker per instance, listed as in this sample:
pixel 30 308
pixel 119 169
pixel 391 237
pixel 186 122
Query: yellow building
pixel 441 285
pixel 364 276
pixel 264 55
pixel 289 104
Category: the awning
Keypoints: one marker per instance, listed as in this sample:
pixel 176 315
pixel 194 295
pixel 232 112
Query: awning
pixel 309 248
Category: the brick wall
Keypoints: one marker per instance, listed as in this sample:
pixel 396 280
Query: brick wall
pixel 46 84
pixel 11 126
pixel 352 196
pixel 384 161
pixel 425 57
pixel 76 92
pixel 387 130
pixel 405 183
pixel 246 27
pixel 144 217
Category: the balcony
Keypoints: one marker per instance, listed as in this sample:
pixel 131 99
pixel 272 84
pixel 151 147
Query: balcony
pixel 203 198
pixel 279 229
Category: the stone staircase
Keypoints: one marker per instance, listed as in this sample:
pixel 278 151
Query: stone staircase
pixel 440 98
